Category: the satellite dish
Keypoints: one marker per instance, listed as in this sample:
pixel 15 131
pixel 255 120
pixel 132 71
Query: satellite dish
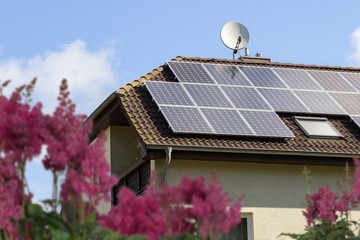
pixel 235 36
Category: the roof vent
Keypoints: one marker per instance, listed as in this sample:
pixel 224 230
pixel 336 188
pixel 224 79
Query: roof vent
pixel 258 56
pixel 247 53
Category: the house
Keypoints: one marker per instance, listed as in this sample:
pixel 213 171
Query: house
pixel 256 123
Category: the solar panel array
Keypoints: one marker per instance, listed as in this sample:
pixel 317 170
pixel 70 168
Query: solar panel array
pixel 241 100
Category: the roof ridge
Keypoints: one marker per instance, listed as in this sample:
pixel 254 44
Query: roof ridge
pixel 255 61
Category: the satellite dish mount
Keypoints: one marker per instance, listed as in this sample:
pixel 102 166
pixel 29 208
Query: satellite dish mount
pixel 237 46
pixel 235 36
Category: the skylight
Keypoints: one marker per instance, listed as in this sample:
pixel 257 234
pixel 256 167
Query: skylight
pixel 317 127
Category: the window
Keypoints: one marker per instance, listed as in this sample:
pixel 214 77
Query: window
pixel 137 181
pixel 317 127
pixel 243 231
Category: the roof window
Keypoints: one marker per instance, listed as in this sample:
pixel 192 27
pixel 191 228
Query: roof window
pixel 317 127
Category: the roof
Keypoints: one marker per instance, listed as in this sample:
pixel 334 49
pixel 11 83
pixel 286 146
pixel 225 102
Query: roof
pixel 153 131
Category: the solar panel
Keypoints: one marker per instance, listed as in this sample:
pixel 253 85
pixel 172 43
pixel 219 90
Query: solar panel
pixel 245 97
pixel 185 120
pixel 319 102
pixel 207 95
pixel 266 124
pixel 297 79
pixel 232 100
pixel 262 77
pixel 227 122
pixel 283 100
pixel 190 72
pixel 331 81
pixel 356 119
pixel 353 78
pixel 227 74
pixel 350 102
pixel 168 93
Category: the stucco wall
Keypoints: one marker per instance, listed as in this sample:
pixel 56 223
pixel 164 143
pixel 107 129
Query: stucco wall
pixel 124 150
pixel 121 151
pixel 103 206
pixel 273 192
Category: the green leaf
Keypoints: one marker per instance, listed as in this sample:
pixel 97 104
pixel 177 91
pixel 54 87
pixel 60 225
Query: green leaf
pixel 60 235
pixel 112 236
pixel 34 209
pixel 136 237
pixel 90 218
pixel 68 210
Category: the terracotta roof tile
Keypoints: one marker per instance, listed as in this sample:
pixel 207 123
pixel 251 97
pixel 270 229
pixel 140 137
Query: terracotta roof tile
pixel 153 129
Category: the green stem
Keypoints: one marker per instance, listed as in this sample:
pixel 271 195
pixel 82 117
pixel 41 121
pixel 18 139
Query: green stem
pixel 54 191
pixel 83 219
pixel 22 179
pixel 22 176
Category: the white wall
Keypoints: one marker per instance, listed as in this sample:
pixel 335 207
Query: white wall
pixel 121 152
pixel 274 193
pixel 104 207
pixel 124 150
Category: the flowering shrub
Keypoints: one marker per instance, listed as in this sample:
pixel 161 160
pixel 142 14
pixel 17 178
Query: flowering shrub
pixel 192 206
pixel 23 132
pixel 327 212
pixel 191 210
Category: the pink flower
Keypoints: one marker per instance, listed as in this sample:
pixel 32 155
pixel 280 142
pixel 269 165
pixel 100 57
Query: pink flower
pixel 356 187
pixel 21 128
pixel 87 171
pixel 323 205
pixel 10 196
pixel 175 210
pixel 211 207
pixel 347 202
pixel 135 215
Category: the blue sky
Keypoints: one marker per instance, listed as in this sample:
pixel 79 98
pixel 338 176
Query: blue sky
pixel 100 46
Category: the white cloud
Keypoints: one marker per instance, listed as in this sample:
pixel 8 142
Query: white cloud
pixel 91 79
pixel 90 75
pixel 355 41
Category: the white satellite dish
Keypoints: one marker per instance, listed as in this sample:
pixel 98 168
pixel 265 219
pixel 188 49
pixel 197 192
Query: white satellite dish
pixel 235 36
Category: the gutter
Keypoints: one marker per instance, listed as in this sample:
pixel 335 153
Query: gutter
pixel 248 150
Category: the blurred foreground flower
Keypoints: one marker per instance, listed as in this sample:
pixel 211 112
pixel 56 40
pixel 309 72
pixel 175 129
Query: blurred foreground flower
pixel 192 206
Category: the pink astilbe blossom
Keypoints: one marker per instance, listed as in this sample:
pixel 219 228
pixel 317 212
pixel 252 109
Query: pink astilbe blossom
pixel 356 187
pixel 347 202
pixel 22 131
pixel 324 205
pixel 64 137
pixel 10 196
pixel 87 171
pixel 172 207
pixel 135 215
pixel 321 204
pixel 22 128
pixel 210 208
pixel 175 209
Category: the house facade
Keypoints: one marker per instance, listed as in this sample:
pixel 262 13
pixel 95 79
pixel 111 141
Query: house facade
pixel 253 122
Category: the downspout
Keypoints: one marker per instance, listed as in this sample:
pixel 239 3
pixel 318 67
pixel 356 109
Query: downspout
pixel 168 151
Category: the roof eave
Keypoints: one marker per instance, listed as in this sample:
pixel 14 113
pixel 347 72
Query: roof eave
pixel 263 152
pixel 103 106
